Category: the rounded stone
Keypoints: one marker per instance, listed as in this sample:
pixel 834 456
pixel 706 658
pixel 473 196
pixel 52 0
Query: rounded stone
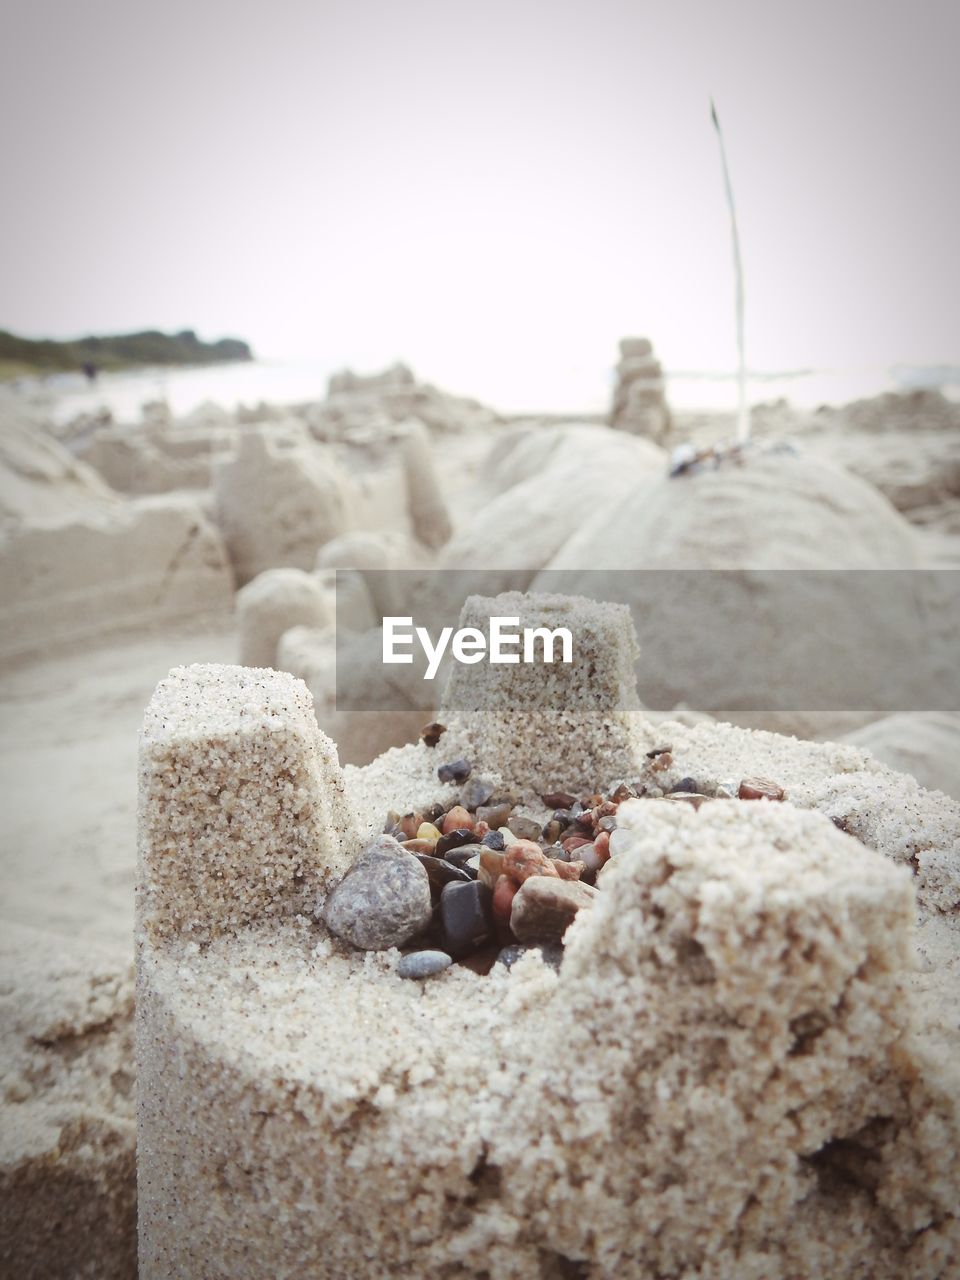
pixel 455 771
pixel 475 794
pixel 544 908
pixel 467 917
pixel 423 964
pixel 382 901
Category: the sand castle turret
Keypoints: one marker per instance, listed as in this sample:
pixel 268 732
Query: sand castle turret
pixel 639 398
pixel 721 1079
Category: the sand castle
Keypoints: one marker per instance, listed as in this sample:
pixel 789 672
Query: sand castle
pixel 735 1071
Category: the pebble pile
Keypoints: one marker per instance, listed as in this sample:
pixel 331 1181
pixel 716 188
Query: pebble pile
pixel 478 882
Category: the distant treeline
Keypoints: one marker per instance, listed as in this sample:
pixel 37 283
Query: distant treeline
pixel 122 351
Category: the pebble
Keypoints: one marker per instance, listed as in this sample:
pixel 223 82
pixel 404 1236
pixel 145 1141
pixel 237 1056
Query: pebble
pixel 689 797
pixel 493 840
pixel 551 953
pixel 491 867
pixel 466 914
pixel 423 964
pixel 524 859
pixel 457 819
pixel 551 831
pixel 463 853
pixel 508 837
pixel 727 790
pixel 544 908
pixel 602 846
pixel 504 892
pixel 524 828
pixel 382 901
pixel 608 824
pixel 457 771
pixel 559 800
pixel 434 813
pixel 476 793
pixel 410 823
pixel 623 791
pixel 432 733
pixel 495 815
pixel 574 842
pixel 442 872
pixel 689 785
pixel 419 846
pixel 454 839
pixel 569 870
pixel 588 855
pixel 427 831
pixel 760 789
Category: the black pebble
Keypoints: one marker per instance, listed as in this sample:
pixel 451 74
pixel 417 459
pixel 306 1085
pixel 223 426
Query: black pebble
pixel 456 771
pixel 494 840
pixel 442 872
pixel 687 784
pixel 466 912
pixel 453 840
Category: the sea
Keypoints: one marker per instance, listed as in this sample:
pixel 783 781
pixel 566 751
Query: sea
pixel 586 392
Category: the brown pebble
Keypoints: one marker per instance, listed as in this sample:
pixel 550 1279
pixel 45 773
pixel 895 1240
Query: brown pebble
pixel 760 789
pixel 545 908
pixel 693 798
pixel 495 815
pixel 432 733
pixel 491 866
pixel 602 846
pixel 569 870
pixel 504 892
pixel 558 800
pixel 524 859
pixel 410 825
pixel 420 846
pixel 457 819
pixel 574 842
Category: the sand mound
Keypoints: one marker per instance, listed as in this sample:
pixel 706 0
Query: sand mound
pixel 40 482
pixel 67 1131
pixel 276 505
pixel 562 473
pixel 271 604
pixel 777 511
pixel 926 745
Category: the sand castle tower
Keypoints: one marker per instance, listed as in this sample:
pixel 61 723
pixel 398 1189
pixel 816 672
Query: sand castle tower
pixel 673 1101
pixel 639 399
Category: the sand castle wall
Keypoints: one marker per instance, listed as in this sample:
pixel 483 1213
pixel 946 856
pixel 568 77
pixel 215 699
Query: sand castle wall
pixel 723 1079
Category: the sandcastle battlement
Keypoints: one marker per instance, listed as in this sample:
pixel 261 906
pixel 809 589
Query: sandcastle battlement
pixel 547 725
pixel 243 809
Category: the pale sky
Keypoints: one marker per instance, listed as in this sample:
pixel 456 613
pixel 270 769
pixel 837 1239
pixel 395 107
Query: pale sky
pixel 492 191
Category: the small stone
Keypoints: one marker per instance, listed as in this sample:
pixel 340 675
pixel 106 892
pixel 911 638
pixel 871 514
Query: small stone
pixel 508 837
pixel 551 831
pixel 602 846
pixel 504 892
pixel 760 789
pixel 524 828
pixel 423 964
pixel 466 913
pixel 525 858
pixel 491 867
pixel 693 798
pixel 608 824
pixel 476 793
pixel 410 824
pixel 558 800
pixel 434 813
pixel 688 785
pixel 727 790
pixel 427 831
pixel 457 771
pixel 382 901
pixel 545 908
pixel 453 839
pixel 623 791
pixel 462 854
pixel 574 842
pixel 418 846
pixel 432 733
pixel 441 872
pixel 493 840
pixel 588 855
pixel 569 870
pixel 495 815
pixel 551 953
pixel 457 819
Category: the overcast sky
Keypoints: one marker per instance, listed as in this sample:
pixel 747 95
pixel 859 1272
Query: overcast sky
pixel 489 190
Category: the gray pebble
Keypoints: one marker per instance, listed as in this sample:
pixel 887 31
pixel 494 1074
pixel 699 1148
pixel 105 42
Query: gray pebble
pixel 423 964
pixel 524 828
pixel 476 793
pixel 383 900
